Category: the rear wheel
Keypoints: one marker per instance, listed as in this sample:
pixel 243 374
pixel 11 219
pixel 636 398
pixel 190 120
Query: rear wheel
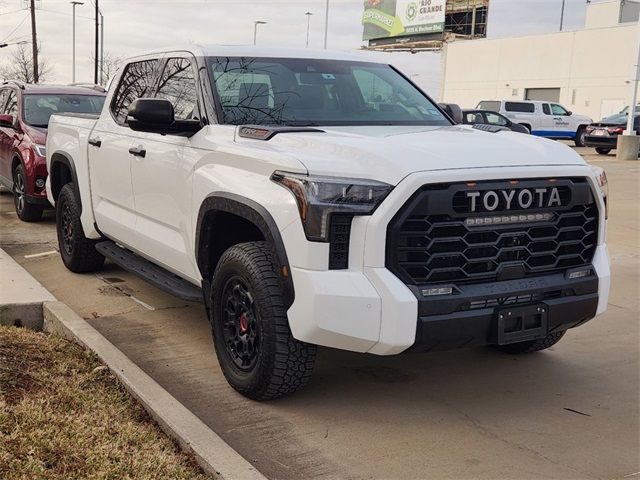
pixel 532 345
pixel 603 151
pixel 26 212
pixel 78 253
pixel 254 345
pixel 580 136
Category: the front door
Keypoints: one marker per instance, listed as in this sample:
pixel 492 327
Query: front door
pixel 8 106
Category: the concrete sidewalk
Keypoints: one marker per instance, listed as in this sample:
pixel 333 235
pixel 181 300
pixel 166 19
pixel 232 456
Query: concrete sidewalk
pixel 21 295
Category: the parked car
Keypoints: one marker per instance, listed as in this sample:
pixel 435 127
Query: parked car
pixel 603 135
pixel 544 119
pixel 24 115
pixel 486 117
pixel 317 198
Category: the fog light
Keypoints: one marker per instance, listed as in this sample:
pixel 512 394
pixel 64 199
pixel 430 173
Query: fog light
pixel 40 182
pixel 579 273
pixel 428 292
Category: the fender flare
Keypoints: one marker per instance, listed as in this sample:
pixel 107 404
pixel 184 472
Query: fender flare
pixel 256 214
pixel 64 159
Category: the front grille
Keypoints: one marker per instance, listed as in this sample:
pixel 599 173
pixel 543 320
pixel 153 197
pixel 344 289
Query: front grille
pixel 429 241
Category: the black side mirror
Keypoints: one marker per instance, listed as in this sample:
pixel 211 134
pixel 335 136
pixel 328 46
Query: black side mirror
pixel 569 113
pixel 454 111
pixel 156 115
pixel 7 121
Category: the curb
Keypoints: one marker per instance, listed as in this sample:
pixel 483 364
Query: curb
pixel 212 453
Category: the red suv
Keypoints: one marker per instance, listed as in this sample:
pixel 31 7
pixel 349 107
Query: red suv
pixel 24 116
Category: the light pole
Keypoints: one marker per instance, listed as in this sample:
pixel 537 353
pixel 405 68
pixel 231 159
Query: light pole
pixel 101 49
pixel 23 42
pixel 255 29
pixel 73 61
pixel 562 16
pixel 308 14
pixel 326 24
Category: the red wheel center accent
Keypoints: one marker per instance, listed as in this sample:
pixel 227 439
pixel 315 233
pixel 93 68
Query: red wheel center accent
pixel 244 323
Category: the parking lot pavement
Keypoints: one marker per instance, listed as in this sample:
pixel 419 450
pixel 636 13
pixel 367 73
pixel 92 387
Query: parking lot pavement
pixel 569 412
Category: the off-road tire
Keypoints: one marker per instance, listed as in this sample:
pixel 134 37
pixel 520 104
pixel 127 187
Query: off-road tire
pixel 579 138
pixel 27 212
pixel 280 365
pixel 603 151
pixel 78 253
pixel 532 345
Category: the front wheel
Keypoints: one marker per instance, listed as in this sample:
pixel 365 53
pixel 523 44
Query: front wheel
pixel 25 211
pixel 603 151
pixel 580 137
pixel 254 345
pixel 532 345
pixel 78 252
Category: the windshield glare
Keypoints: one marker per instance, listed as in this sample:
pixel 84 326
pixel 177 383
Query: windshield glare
pixel 285 91
pixel 39 108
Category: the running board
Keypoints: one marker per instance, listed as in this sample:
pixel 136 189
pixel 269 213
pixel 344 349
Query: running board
pixel 150 272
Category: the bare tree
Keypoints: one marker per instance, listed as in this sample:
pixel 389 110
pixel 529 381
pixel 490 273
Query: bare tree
pixel 19 66
pixel 110 66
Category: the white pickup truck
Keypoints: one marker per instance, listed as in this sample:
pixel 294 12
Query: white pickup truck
pixel 314 198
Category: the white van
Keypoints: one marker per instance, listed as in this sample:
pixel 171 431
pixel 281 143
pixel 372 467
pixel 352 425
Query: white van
pixel 544 119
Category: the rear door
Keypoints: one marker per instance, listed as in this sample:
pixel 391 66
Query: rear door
pixel 162 178
pixel 109 157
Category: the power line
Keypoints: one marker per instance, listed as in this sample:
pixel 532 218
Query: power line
pixel 14 30
pixel 12 11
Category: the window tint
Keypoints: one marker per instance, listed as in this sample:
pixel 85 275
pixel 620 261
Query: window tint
pixel 11 107
pixel 136 82
pixel 39 108
pixel 3 99
pixel 546 109
pixel 558 109
pixel 297 91
pixel 495 119
pixel 489 105
pixel 519 107
pixel 178 85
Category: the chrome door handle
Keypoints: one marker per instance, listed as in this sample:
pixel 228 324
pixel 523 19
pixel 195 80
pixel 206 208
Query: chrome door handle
pixel 96 142
pixel 138 151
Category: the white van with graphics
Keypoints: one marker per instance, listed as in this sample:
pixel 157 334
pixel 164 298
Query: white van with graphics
pixel 544 119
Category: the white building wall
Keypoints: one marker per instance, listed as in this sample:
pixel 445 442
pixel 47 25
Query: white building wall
pixel 591 67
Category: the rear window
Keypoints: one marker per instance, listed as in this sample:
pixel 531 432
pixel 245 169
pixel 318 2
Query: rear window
pixel 489 105
pixel 523 107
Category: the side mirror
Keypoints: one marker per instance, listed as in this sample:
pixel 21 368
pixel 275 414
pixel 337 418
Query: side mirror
pixel 569 113
pixel 453 110
pixel 156 115
pixel 7 121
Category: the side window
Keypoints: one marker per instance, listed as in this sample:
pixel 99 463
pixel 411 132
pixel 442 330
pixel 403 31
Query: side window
pixel 546 109
pixel 11 107
pixel 494 119
pixel 558 109
pixel 522 107
pixel 3 99
pixel 136 82
pixel 178 85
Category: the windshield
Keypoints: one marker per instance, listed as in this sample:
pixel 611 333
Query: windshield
pixel 38 108
pixel 287 91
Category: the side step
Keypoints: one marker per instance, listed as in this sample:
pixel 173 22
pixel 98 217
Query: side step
pixel 152 273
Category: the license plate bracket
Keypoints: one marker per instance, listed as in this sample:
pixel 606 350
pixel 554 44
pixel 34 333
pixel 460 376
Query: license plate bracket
pixel 520 324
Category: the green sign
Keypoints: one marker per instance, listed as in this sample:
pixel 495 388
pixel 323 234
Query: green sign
pixel 397 18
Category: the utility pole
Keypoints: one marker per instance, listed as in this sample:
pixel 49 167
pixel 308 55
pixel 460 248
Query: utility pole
pixel 73 70
pixel 95 56
pixel 326 24
pixel 308 14
pixel 562 16
pixel 34 41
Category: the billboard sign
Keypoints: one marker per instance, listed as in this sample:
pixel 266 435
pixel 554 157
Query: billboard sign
pixel 398 18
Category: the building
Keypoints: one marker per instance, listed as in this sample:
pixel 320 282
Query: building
pixel 588 71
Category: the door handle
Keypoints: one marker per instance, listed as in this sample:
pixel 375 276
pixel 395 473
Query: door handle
pixel 96 142
pixel 138 151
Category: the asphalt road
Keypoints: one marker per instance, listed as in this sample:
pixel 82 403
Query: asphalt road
pixel 569 412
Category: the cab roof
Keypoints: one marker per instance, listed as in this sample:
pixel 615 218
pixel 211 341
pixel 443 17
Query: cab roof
pixel 47 89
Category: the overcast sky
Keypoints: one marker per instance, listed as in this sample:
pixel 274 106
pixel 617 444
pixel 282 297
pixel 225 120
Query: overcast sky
pixel 132 26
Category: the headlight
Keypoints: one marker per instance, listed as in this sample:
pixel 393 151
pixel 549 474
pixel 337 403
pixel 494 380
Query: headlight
pixel 603 183
pixel 40 150
pixel 319 198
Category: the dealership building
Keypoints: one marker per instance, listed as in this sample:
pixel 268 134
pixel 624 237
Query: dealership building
pixel 588 70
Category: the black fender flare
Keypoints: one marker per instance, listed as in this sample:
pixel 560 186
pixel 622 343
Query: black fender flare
pixel 64 159
pixel 256 214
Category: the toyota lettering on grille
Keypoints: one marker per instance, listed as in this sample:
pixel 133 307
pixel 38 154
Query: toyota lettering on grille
pixel 525 198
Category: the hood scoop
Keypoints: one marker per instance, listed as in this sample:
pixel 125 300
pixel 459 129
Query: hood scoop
pixel 259 132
